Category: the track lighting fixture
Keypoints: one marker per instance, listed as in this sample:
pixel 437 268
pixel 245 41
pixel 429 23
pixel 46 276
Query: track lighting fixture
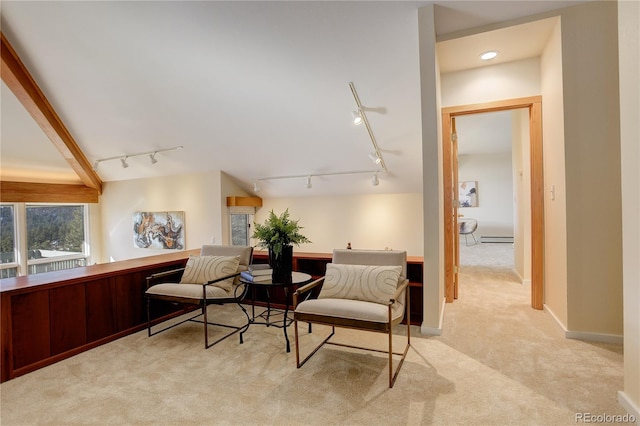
pixel 374 180
pixel 357 118
pixel 123 158
pixel 361 111
pixel 375 157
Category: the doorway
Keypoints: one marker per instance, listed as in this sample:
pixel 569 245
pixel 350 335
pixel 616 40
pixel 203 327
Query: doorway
pixel 450 191
pixel 493 191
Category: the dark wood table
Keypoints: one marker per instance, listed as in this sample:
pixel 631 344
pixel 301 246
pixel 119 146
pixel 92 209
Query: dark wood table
pixel 264 317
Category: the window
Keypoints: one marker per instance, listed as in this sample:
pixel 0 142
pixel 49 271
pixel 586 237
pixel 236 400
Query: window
pixel 46 237
pixel 241 229
pixel 8 242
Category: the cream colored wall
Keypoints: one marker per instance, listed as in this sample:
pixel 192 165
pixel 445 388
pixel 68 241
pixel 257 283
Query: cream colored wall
pixel 433 300
pixel 95 234
pixel 592 169
pixel 198 195
pixel 511 80
pixel 555 216
pixel 366 221
pixel 629 59
pixel 493 173
pixel 522 194
pixel 228 188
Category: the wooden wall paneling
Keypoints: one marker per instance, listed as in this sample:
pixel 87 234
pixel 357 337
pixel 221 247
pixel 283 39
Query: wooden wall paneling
pixel 6 362
pixel 130 302
pixel 30 328
pixel 101 309
pixel 67 316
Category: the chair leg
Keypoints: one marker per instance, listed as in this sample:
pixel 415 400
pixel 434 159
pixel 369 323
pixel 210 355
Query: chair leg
pixel 390 356
pixel 148 317
pixel 206 334
pixel 300 364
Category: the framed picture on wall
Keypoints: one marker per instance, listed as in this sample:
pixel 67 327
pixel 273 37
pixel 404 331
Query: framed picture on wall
pixel 468 193
pixel 158 230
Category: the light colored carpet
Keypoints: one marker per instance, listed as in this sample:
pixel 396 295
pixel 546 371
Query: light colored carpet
pixel 498 362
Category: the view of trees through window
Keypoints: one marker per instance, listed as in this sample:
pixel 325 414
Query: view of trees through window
pixel 7 234
pixel 54 228
pixel 240 227
pixel 55 238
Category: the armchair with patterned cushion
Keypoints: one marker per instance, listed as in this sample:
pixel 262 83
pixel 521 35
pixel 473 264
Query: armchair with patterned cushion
pixel 362 289
pixel 211 278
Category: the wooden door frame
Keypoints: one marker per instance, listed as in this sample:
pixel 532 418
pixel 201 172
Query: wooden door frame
pixel 534 105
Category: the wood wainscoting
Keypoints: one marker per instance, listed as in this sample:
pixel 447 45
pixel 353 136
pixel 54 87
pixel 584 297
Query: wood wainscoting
pixel 52 316
pixel 55 315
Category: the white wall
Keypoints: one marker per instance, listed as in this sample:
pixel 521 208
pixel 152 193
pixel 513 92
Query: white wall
pixel 228 187
pixel 198 195
pixel 555 215
pixel 493 174
pixel 430 98
pixel 366 221
pixel 629 51
pixel 521 194
pixel 516 79
pixel 592 170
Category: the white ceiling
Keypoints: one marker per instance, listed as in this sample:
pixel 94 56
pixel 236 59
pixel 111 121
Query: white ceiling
pixel 255 89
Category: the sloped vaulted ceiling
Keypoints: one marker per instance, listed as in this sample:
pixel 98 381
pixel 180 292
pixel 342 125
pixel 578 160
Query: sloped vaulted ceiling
pixel 255 89
pixel 18 79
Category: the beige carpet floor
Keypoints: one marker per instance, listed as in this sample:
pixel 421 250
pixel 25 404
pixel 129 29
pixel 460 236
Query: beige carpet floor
pixel 498 362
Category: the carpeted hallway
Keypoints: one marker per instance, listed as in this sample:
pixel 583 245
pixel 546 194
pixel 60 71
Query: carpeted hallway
pixel 497 362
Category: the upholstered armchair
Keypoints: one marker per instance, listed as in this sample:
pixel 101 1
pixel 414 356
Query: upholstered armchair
pixel 211 278
pixel 362 289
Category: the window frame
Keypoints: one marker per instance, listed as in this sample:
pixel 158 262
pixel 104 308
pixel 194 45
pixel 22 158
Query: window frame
pixel 23 263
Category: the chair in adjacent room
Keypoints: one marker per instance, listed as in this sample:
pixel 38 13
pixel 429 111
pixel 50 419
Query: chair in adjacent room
pixel 209 279
pixel 468 227
pixel 362 289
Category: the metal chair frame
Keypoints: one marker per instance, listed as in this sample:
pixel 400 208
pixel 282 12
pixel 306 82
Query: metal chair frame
pixel 386 327
pixel 240 293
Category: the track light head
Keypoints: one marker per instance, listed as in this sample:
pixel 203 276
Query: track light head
pixel 375 157
pixel 256 187
pixel 374 180
pixel 153 158
pixel 124 162
pixel 96 164
pixel 308 185
pixel 357 118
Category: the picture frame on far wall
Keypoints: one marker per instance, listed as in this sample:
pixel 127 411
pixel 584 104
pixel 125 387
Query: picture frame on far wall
pixel 158 230
pixel 468 193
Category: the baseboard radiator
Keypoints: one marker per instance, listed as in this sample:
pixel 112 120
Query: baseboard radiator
pixel 485 239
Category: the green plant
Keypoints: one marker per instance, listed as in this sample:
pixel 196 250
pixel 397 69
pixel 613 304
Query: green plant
pixel 277 232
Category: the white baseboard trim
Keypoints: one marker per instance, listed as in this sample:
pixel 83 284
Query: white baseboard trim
pixel 584 335
pixel 556 319
pixel 595 337
pixel 629 405
pixel 522 280
pixel 432 331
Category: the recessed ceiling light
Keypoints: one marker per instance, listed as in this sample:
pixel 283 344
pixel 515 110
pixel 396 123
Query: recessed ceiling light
pixel 489 55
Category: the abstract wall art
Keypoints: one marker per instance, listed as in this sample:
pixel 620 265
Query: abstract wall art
pixel 158 230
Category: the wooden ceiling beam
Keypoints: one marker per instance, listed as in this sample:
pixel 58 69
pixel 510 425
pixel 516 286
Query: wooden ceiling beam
pixel 28 192
pixel 19 80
